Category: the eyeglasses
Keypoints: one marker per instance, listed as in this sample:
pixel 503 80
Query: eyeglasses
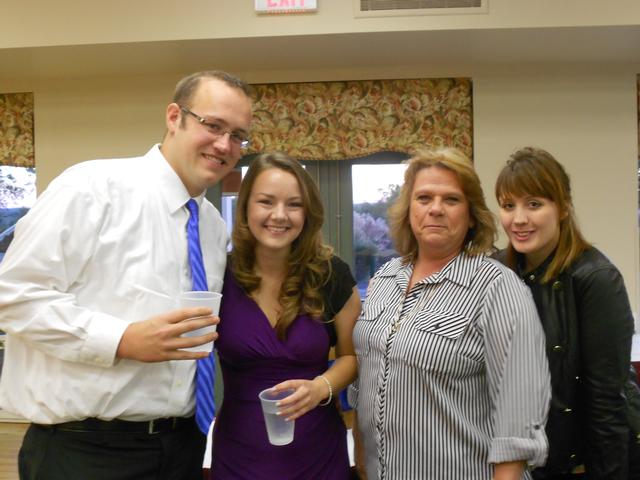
pixel 218 130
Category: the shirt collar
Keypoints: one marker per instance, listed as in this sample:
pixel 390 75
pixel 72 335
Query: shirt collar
pixel 459 270
pixel 462 268
pixel 537 272
pixel 174 192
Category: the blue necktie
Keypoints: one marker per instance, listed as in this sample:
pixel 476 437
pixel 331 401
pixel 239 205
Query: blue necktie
pixel 205 371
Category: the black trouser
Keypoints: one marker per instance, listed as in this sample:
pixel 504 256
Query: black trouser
pixel 56 453
pixel 566 476
pixel 634 458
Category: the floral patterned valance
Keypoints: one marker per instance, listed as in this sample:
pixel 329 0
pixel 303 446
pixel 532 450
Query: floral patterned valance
pixel 340 120
pixel 16 129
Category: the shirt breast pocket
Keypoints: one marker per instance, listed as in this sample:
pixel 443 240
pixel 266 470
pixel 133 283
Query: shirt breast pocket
pixel 438 344
pixel 445 324
pixel 370 319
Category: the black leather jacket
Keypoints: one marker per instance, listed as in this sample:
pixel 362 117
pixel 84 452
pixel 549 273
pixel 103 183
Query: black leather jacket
pixel 588 325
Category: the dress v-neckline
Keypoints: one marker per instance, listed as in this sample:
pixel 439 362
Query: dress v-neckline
pixel 263 315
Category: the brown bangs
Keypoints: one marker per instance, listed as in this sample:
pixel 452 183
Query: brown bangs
pixel 522 179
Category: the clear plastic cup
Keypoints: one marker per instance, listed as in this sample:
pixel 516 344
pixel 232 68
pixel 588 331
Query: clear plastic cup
pixel 201 299
pixel 280 432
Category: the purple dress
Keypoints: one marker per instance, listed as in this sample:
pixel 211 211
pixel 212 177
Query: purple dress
pixel 252 358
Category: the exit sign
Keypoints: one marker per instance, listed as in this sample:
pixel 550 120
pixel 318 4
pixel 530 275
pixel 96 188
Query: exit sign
pixel 286 6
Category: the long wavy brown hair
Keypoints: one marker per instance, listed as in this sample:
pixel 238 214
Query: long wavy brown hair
pixel 534 171
pixel 309 263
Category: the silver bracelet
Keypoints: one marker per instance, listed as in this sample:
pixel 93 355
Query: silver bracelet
pixel 328 400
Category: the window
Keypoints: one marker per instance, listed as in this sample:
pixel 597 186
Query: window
pixel 230 189
pixel 374 189
pixel 17 195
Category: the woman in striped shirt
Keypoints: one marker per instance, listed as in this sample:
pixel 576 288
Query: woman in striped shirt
pixel 453 382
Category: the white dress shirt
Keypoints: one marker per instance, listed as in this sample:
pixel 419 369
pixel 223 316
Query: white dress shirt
pixel 104 246
pixel 453 374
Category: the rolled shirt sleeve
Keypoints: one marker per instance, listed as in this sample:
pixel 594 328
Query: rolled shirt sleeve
pixel 517 373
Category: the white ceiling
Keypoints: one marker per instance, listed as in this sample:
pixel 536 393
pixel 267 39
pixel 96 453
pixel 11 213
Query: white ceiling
pixel 465 48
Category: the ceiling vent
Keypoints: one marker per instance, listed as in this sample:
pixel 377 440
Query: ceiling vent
pixel 378 8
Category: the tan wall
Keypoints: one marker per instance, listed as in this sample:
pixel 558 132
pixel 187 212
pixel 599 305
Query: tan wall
pixel 588 120
pixel 585 116
pixel 100 118
pixel 57 23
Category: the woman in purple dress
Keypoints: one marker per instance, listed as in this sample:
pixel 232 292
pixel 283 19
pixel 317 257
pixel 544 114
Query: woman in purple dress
pixel 286 300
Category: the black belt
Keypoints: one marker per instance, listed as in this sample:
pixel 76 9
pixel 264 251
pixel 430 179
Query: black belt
pixel 150 427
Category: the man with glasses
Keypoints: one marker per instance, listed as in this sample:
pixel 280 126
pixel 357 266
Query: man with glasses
pixel 95 356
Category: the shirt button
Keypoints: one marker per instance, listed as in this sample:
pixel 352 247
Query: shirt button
pixel 557 285
pixel 532 277
pixel 557 348
pixel 567 410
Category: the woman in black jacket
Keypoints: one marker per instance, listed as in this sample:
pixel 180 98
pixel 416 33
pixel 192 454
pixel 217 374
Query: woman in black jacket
pixel 585 312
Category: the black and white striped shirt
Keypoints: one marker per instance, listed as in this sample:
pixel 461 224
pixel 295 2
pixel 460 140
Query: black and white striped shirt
pixel 453 375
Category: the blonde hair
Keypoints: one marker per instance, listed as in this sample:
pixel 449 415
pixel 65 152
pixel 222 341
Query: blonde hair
pixel 535 172
pixel 309 264
pixel 479 238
